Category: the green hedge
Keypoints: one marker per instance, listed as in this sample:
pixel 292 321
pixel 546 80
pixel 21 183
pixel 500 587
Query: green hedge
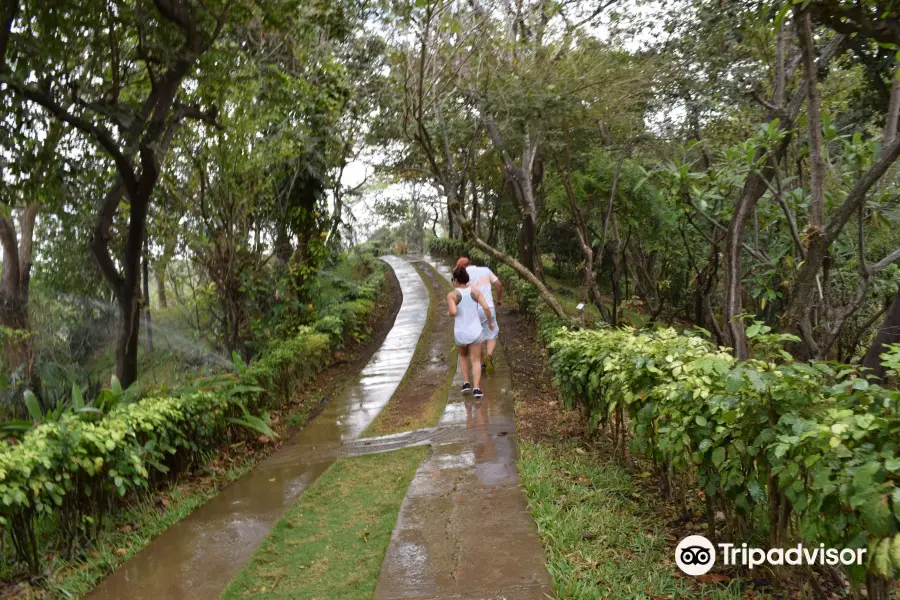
pixel 786 451
pixel 60 480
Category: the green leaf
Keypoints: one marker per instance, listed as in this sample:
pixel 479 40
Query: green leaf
pixel 115 386
pixel 881 559
pixel 77 398
pixel 701 420
pixel 254 423
pixel 33 406
pixel 876 516
pixel 718 456
pixel 734 382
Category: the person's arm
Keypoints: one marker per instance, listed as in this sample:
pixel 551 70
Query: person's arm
pixel 498 292
pixel 451 304
pixel 487 309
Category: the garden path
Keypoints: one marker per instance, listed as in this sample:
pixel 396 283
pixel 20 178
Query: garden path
pixel 195 558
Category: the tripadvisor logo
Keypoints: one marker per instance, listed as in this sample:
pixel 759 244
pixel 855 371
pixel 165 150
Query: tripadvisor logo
pixel 696 555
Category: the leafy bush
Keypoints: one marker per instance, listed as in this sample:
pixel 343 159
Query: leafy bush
pixel 794 449
pixel 66 471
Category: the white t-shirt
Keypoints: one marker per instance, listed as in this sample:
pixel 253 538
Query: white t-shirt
pixel 482 278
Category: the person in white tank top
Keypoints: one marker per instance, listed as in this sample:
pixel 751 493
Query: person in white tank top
pixel 489 285
pixel 463 304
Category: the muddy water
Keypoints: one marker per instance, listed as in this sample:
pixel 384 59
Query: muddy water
pixel 196 557
pixel 464 530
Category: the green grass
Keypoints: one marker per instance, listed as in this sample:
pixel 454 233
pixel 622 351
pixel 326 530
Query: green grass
pixel 571 300
pixel 601 537
pixel 333 540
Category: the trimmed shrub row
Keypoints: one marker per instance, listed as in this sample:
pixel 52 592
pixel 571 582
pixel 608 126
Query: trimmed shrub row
pixel 785 451
pixel 59 482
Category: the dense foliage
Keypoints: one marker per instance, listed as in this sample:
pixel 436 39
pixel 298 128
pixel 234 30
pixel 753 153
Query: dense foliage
pixel 785 451
pixel 67 472
pixel 723 163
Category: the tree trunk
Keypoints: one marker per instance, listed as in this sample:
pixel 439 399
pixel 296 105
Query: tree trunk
pixel 753 190
pixel 127 344
pixel 145 300
pixel 17 349
pixel 888 333
pixel 161 286
pixel 525 244
pixel 450 231
pixel 15 286
pixel 521 179
pixel 615 277
pixel 813 118
pixel 476 208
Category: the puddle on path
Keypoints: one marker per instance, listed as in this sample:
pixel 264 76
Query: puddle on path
pixel 197 557
pixel 464 530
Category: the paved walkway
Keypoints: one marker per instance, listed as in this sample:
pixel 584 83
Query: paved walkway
pixel 464 531
pixel 197 557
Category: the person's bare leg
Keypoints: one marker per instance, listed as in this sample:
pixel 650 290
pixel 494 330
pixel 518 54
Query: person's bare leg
pixel 464 363
pixel 475 354
pixel 491 346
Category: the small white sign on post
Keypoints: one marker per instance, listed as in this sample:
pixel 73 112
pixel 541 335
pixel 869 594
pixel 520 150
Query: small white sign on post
pixel 580 308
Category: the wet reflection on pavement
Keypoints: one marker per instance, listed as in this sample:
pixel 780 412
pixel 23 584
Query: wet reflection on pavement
pixel 464 530
pixel 196 557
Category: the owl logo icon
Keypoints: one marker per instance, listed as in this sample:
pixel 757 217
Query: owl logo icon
pixel 695 555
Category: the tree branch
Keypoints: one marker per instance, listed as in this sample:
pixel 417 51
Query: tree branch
pixel 849 18
pixel 813 112
pixel 99 134
pixel 8 12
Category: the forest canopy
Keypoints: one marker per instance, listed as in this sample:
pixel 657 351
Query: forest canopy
pixel 697 162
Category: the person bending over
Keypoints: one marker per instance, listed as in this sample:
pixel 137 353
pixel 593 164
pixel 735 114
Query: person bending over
pixel 463 304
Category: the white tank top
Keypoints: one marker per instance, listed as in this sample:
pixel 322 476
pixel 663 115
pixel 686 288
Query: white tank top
pixel 467 327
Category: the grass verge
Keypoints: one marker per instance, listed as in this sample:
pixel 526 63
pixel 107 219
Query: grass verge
pixel 600 534
pixel 422 394
pixel 333 540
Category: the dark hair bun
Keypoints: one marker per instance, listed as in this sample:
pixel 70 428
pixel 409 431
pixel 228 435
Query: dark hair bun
pixel 461 275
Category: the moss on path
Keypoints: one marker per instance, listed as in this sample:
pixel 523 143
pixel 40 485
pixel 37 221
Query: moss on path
pixel 332 541
pixel 421 396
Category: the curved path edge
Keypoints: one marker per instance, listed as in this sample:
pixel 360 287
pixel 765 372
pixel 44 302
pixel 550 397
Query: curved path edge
pixel 196 557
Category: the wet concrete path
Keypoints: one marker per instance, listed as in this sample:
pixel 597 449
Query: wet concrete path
pixel 197 557
pixel 464 531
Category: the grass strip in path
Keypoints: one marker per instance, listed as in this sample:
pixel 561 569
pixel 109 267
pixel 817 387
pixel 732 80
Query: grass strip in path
pixel 420 398
pixel 332 542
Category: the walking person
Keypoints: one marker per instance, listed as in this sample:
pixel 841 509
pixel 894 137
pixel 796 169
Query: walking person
pixel 463 304
pixel 486 282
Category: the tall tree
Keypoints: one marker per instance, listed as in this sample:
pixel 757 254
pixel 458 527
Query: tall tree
pixel 114 72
